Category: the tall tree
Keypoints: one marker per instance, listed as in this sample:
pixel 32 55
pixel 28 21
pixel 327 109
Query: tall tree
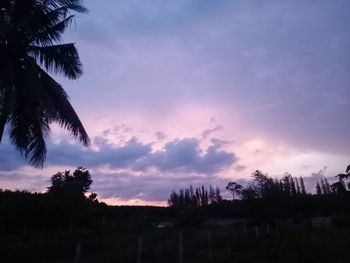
pixel 234 188
pixel 30 48
pixel 328 186
pixel 323 186
pixel 318 189
pixel 302 186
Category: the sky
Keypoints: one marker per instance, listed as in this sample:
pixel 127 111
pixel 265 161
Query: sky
pixel 182 92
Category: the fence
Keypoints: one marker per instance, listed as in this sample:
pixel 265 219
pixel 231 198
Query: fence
pixel 215 244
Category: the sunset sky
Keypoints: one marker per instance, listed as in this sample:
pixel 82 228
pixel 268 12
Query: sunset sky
pixel 182 92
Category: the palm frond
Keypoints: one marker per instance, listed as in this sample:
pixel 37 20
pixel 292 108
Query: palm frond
pixel 29 119
pixel 4 109
pixel 74 5
pixel 59 59
pixel 64 114
pixel 28 129
pixel 47 18
pixel 50 35
pixel 38 21
pixel 35 152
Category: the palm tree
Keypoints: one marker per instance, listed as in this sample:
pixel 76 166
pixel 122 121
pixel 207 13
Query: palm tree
pixel 30 49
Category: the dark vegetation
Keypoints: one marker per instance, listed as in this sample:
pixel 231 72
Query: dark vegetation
pixel 268 220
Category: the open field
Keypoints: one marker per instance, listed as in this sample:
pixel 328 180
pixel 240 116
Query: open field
pixel 116 243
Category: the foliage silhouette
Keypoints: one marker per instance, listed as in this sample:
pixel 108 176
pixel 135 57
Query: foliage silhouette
pixel 76 183
pixel 30 49
pixel 46 226
pixel 234 188
pixel 198 197
pixel 346 175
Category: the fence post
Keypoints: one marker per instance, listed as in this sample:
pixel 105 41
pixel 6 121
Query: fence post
pixel 257 232
pixel 139 249
pixel 180 247
pixel 209 246
pixel 78 253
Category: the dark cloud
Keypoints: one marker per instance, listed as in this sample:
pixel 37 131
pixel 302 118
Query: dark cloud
pixel 180 155
pixel 160 135
pixel 239 168
pixel 9 159
pixel 186 155
pixel 208 132
pixel 118 157
pixel 320 174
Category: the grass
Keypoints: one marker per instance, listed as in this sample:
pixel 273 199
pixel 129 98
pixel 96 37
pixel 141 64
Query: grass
pixel 292 243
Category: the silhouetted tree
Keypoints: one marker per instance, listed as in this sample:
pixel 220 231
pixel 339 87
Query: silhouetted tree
pixel 212 198
pixel 344 176
pixel 298 187
pixel 302 186
pixel 194 198
pixel 218 197
pixel 234 188
pixel 72 184
pixel 30 99
pixel 68 191
pixel 339 187
pixel 293 187
pixel 323 187
pixel 249 192
pixel 327 186
pixel 287 188
pixel 318 189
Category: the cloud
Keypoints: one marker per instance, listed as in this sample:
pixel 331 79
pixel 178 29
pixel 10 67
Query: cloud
pixel 22 180
pixel 185 155
pixel 113 156
pixel 281 67
pixel 208 132
pixel 132 170
pixel 178 155
pixel 160 135
pixel 9 159
pixel 240 168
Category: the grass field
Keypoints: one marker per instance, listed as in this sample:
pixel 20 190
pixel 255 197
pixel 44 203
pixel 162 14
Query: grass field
pixel 290 243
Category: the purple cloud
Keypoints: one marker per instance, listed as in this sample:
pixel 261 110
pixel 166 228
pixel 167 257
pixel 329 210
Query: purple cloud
pixel 185 155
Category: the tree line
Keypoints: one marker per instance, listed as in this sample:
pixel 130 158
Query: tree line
pixel 264 198
pixel 190 197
